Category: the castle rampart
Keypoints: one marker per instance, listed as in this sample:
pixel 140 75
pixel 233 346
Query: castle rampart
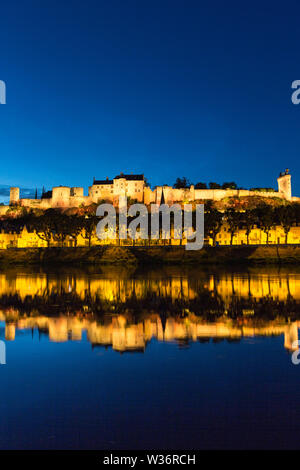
pixel 135 187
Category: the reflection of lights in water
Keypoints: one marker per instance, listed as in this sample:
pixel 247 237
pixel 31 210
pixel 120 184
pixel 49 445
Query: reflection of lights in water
pixel 222 292
pixel 225 285
pixel 121 334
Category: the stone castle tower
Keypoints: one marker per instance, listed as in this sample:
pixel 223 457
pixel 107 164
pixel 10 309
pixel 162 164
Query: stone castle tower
pixel 61 196
pixel 284 184
pixel 14 195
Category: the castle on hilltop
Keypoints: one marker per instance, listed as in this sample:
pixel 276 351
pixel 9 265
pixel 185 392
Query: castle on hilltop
pixel 136 188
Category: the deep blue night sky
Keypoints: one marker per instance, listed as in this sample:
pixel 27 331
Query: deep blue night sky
pixel 167 88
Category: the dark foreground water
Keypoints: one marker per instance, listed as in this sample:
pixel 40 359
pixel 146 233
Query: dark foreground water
pixel 162 359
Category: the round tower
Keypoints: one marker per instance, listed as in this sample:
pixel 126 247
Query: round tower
pixel 14 195
pixel 61 196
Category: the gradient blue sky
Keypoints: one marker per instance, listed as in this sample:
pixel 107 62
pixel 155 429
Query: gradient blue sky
pixel 167 88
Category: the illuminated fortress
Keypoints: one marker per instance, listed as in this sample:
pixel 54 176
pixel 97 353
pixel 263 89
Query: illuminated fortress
pixel 136 188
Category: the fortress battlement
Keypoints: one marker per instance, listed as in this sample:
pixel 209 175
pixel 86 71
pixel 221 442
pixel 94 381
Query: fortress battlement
pixel 134 186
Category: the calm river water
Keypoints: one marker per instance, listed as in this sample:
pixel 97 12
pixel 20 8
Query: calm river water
pixel 169 358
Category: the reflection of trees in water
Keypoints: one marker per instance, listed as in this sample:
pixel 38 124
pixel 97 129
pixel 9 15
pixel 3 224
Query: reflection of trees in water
pixel 205 303
pixel 266 307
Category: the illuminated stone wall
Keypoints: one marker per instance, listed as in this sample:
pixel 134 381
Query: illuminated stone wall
pixel 136 189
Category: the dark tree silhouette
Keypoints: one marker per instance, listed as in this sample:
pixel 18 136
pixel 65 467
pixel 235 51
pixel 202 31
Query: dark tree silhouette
pixel 285 216
pixel 212 223
pixel 182 183
pixel 213 185
pixel 201 186
pixel 233 219
pixel 89 225
pixel 231 185
pixel 248 220
pixel 266 218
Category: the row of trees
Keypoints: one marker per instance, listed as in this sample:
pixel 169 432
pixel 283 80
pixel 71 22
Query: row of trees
pixel 57 226
pixel 183 183
pixel 54 225
pixel 263 216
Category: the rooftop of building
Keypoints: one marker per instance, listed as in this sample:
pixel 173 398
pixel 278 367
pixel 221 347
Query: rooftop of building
pixel 107 181
pixel 130 177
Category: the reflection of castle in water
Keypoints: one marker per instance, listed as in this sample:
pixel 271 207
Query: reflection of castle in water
pixel 121 335
pixel 126 331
